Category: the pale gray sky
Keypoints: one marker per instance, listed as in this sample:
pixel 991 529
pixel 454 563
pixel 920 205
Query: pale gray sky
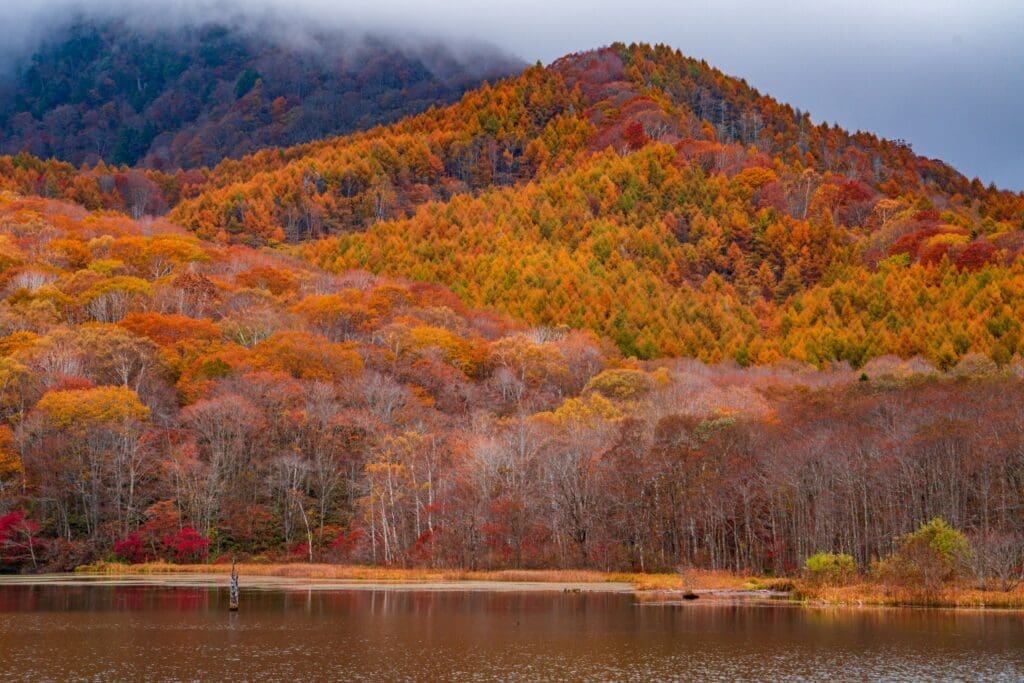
pixel 945 75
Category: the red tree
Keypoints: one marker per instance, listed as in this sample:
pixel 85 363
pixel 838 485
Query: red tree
pixel 18 543
pixel 635 136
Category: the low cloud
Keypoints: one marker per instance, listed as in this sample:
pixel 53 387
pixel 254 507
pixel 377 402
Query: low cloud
pixel 945 76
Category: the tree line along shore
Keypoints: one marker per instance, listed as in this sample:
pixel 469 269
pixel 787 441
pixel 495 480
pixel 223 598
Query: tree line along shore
pixel 931 568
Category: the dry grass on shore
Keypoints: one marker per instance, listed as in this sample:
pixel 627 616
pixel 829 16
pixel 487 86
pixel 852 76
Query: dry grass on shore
pixel 875 594
pixel 859 594
pixel 695 580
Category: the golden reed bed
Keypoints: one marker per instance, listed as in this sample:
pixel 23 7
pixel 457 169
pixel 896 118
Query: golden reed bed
pixel 697 580
pixel 864 593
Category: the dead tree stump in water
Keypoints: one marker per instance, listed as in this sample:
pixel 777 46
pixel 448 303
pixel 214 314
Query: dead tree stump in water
pixel 233 594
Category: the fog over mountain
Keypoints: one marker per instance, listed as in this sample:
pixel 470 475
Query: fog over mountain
pixel 188 88
pixel 305 26
pixel 945 76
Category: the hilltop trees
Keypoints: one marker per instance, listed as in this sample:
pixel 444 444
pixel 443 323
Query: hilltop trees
pixel 552 253
pixel 493 137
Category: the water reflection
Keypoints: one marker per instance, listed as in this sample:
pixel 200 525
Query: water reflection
pixel 133 632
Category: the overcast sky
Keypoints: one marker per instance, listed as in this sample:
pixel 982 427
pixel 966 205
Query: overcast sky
pixel 945 75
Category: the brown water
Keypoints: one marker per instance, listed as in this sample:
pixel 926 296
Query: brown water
pixel 144 632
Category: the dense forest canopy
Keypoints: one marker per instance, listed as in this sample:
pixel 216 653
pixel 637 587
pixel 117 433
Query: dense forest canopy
pixel 650 198
pixel 623 312
pixel 634 192
pixel 168 397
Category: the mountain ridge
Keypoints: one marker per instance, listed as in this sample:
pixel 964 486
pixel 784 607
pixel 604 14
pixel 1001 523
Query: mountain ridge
pixel 190 96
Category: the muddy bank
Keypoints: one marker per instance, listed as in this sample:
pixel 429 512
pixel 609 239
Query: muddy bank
pixel 191 580
pixel 286 583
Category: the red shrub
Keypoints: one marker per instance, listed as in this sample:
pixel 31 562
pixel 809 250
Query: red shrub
pixel 299 551
pixel 635 136
pixel 18 543
pixel 934 253
pixel 911 243
pixel 976 255
pixel 132 549
pixel 188 545
pixel 345 543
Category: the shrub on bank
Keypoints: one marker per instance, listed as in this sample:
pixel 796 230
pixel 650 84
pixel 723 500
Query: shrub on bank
pixel 830 569
pixel 934 556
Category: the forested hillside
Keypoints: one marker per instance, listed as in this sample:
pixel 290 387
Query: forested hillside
pixel 646 196
pixel 636 193
pixel 187 97
pixel 619 312
pixel 167 397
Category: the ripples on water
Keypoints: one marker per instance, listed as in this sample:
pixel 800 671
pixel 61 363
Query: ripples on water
pixel 107 633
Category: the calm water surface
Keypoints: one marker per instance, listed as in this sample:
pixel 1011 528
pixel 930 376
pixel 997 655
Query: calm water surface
pixel 107 633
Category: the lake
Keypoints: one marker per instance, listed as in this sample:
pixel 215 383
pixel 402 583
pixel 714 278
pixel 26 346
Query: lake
pixel 111 631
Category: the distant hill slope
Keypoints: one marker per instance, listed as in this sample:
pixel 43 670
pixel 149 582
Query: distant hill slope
pixel 635 192
pixel 659 202
pixel 547 120
pixel 187 98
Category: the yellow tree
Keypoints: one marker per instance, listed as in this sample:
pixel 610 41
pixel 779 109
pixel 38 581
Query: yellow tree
pixel 88 451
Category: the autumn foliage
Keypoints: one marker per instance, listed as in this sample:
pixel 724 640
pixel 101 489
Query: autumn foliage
pixel 623 312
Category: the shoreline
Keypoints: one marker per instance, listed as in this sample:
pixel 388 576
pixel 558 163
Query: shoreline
pixel 189 579
pixel 362 574
pixel 281 583
pixel 710 585
pixel 697 586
